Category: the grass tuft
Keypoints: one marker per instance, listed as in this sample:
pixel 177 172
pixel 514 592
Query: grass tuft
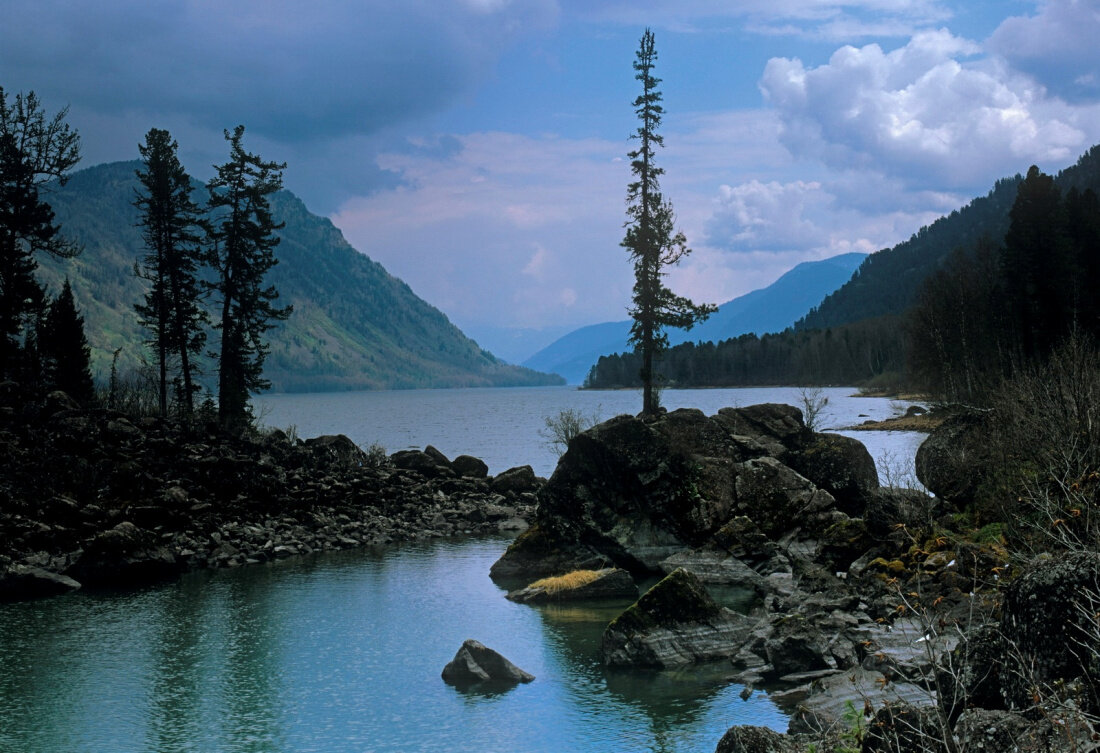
pixel 567 582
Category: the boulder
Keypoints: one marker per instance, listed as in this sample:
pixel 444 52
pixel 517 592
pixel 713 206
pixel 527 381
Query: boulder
pixel 890 507
pixel 124 554
pixel 675 623
pixel 841 466
pixel 796 645
pixel 949 461
pixel 580 585
pixel 518 480
pixel 542 552
pixel 475 664
pixel 904 727
pixel 336 448
pixel 778 499
pixel 22 583
pixel 1048 617
pixel 750 739
pixel 421 462
pixel 468 466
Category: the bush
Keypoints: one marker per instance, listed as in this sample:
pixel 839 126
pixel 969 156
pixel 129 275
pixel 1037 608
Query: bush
pixel 561 429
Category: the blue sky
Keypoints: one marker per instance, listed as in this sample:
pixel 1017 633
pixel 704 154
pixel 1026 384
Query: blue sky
pixel 476 148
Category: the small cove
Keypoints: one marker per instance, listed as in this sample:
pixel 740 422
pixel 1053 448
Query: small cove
pixel 342 651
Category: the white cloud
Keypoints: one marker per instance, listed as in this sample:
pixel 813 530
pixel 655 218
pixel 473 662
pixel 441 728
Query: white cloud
pixel 765 216
pixel 1057 46
pixel 923 113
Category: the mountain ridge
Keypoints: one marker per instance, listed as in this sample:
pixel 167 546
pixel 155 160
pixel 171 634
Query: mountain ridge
pixel 769 309
pixel 355 326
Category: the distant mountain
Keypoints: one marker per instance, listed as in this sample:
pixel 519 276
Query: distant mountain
pixel 354 325
pixel 887 282
pixel 770 309
pixel 514 344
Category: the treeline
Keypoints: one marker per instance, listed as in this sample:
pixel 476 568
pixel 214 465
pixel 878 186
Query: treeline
pixel 204 267
pixel 862 352
pixel 998 308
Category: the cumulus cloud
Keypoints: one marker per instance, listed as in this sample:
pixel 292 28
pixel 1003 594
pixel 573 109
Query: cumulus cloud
pixel 290 71
pixel 765 216
pixel 923 112
pixel 1057 46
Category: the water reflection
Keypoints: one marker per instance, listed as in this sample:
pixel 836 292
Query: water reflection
pixel 336 653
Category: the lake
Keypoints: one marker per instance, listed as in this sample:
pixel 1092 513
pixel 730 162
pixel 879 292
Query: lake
pixel 342 651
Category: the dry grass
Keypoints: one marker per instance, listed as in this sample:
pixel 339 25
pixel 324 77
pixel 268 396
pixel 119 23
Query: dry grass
pixel 567 582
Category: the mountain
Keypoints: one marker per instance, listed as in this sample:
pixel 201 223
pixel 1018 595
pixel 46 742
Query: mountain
pixel 354 325
pixel 888 280
pixel 770 309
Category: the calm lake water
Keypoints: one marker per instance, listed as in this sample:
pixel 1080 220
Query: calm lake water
pixel 342 651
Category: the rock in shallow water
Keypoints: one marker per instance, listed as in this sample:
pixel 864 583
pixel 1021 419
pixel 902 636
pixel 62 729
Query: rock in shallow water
pixel 475 663
pixel 675 623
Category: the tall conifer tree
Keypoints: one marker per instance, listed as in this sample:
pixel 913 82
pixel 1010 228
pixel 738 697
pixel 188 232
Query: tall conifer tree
pixel 171 222
pixel 651 236
pixel 34 150
pixel 64 348
pixel 242 234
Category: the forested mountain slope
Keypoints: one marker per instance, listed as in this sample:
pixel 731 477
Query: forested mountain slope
pixel 354 325
pixel 887 281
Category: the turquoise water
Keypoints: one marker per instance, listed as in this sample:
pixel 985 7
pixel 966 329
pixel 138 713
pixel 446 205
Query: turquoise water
pixel 340 652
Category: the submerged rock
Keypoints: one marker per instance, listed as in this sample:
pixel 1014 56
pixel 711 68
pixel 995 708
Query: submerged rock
pixel 609 583
pixel 475 663
pixel 675 623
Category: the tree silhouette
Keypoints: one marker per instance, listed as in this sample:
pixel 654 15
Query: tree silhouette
pixel 172 310
pixel 651 237
pixel 65 348
pixel 34 150
pixel 242 234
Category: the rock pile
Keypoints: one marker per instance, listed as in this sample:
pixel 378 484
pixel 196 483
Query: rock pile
pixel 100 498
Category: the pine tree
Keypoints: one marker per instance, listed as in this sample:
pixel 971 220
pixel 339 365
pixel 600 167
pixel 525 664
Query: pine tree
pixel 651 237
pixel 243 238
pixel 65 348
pixel 34 150
pixel 172 310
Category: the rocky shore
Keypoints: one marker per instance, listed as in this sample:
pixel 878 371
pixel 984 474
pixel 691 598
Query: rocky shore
pixel 89 496
pixel 879 625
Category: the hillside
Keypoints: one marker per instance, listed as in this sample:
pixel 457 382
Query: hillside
pixel 770 309
pixel 354 326
pixel 887 281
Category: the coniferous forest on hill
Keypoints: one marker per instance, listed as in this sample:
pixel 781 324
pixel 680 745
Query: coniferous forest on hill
pixel 354 325
pixel 966 302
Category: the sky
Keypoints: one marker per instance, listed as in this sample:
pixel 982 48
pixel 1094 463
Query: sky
pixel 477 148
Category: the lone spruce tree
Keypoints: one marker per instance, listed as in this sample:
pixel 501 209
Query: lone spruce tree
pixel 34 150
pixel 651 236
pixel 171 224
pixel 65 349
pixel 243 240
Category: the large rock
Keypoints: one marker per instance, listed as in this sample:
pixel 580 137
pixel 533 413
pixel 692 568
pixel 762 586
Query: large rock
pixel 336 448
pixel 518 480
pixel 468 466
pixel 426 464
pixel 638 491
pixel 474 664
pixel 124 554
pixel 750 739
pixel 841 466
pixel 538 553
pixel 22 583
pixel 949 462
pixel 581 585
pixel 1049 620
pixel 675 623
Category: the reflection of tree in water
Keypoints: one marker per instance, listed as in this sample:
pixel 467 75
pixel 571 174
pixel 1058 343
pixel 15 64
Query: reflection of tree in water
pixel 677 707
